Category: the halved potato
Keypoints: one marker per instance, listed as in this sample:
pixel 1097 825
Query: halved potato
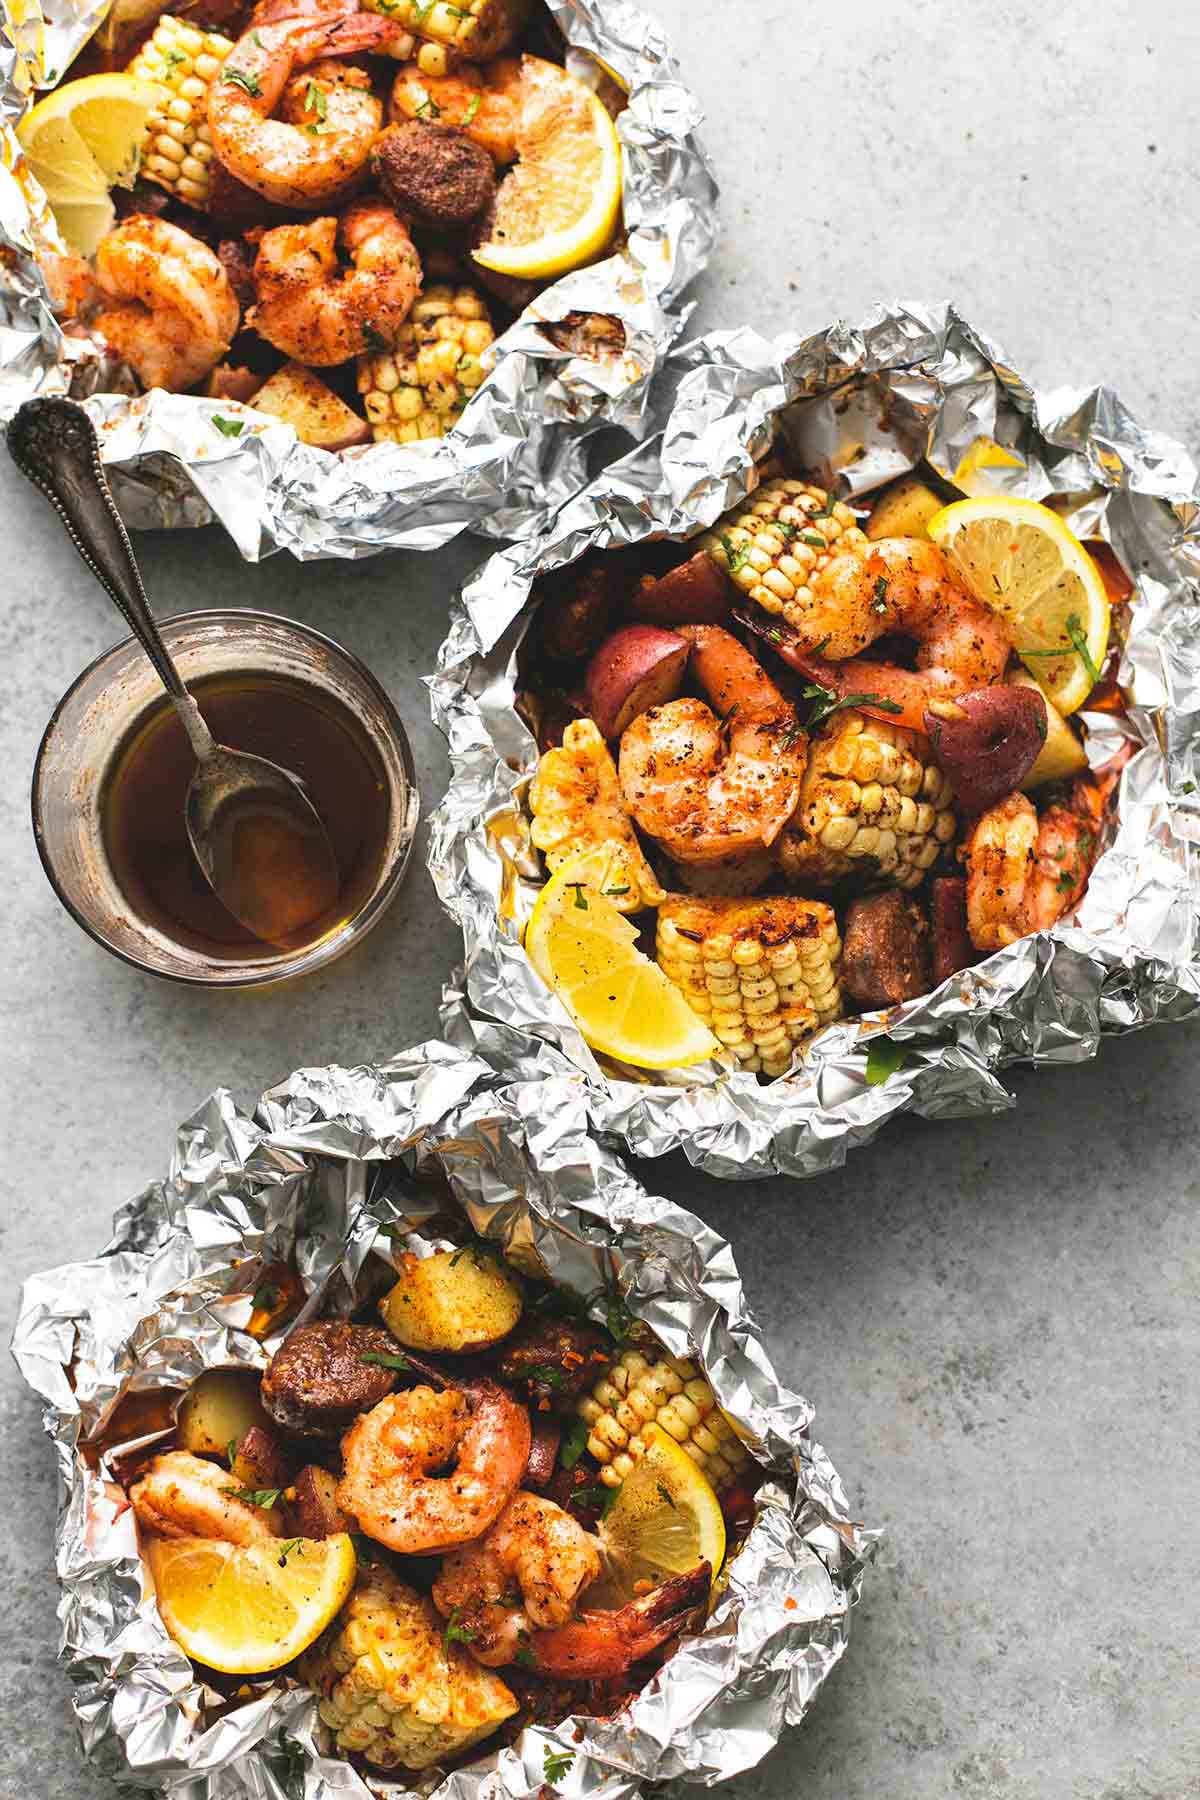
pixel 454 1300
pixel 902 510
pixel 315 413
pixel 219 1408
pixel 260 1461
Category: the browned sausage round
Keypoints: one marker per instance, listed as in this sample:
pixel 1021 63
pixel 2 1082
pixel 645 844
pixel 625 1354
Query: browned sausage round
pixel 558 1358
pixel 317 1382
pixel 434 173
pixel 885 950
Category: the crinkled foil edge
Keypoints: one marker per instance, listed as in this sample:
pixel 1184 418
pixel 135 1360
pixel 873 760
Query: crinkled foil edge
pixel 909 381
pixel 520 449
pixel 327 1160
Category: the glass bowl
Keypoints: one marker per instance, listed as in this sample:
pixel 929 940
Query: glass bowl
pixel 108 703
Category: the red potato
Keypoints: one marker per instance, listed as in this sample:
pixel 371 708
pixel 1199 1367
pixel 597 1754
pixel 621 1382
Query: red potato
pixel 987 742
pixel 316 414
pixel 952 948
pixel 229 383
pixel 314 1509
pixel 696 593
pixel 635 669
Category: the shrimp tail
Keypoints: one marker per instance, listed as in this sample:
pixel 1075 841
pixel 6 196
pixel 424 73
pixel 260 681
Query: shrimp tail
pixel 598 1645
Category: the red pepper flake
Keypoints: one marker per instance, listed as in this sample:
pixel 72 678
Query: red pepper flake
pixel 790 1605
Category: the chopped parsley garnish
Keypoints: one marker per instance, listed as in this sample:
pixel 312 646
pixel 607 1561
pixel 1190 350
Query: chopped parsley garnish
pixel 285 1550
pixel 824 703
pixel 884 1058
pixel 1040 726
pixel 265 1297
pixel 264 1497
pixel 173 58
pixel 738 554
pixel 1189 787
pixel 295 1762
pixel 574 1443
pixel 428 107
pixel 383 1361
pixel 618 1318
pixel 456 1633
pixel 1067 880
pixel 544 1375
pixel 231 1451
pixel 256 40
pixel 556 1764
pixel 248 83
pixel 228 427
pixel 314 100
pixel 468 117
pixel 524 1655
pixel 825 511
pixel 664 1493
pixel 1076 634
pixel 580 901
pixel 817 542
pixel 614 893
pixel 879 602
pixel 786 529
pixel 597 1496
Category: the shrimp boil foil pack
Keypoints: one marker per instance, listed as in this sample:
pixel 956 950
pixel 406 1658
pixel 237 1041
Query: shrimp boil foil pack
pixel 852 408
pixel 581 357
pixel 338 1167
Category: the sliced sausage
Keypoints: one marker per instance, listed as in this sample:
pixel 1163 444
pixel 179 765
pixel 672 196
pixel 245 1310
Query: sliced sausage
pixel 558 1358
pixel 885 951
pixel 952 948
pixel 434 173
pixel 698 592
pixel 318 1382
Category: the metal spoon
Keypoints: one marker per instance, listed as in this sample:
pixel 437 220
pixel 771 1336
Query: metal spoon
pixel 255 833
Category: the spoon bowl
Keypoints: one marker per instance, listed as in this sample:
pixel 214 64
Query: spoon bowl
pixel 259 840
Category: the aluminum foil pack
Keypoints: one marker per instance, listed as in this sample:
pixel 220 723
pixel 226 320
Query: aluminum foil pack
pixel 859 404
pixel 520 448
pixel 337 1161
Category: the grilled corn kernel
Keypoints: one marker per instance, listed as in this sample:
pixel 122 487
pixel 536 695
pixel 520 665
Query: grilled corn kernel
pixel 775 543
pixel 668 1392
pixel 575 800
pixel 474 30
pixel 762 974
pixel 419 389
pixel 177 148
pixel 391 1688
pixel 873 800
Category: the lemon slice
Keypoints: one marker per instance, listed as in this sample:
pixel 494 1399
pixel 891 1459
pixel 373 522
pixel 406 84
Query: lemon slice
pixel 1021 560
pixel 559 206
pixel 250 1607
pixel 81 140
pixel 587 952
pixel 665 1520
pixel 1062 754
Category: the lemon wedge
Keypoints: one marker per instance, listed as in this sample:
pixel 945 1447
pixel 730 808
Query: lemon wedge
pixel 249 1607
pixel 585 950
pixel 83 139
pixel 1062 754
pixel 665 1520
pixel 559 206
pixel 1021 560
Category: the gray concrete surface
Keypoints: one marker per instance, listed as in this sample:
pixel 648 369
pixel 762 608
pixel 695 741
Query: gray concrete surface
pixel 996 1320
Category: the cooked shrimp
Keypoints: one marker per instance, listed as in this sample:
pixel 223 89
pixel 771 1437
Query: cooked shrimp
pixel 173 313
pixel 903 585
pixel 318 150
pixel 525 1575
pixel 514 1598
pixel 1024 872
pixel 483 102
pixel 392 1453
pixel 712 793
pixel 317 312
pixel 181 1495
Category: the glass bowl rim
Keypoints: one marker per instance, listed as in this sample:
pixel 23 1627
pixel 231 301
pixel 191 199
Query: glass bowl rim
pixel 324 951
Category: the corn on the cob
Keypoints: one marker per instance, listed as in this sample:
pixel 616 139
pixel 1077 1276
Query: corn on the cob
pixel 671 1393
pixel 774 544
pixel 575 800
pixel 177 148
pixel 419 389
pixel 392 1689
pixel 873 799
pixel 762 974
pixel 470 30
